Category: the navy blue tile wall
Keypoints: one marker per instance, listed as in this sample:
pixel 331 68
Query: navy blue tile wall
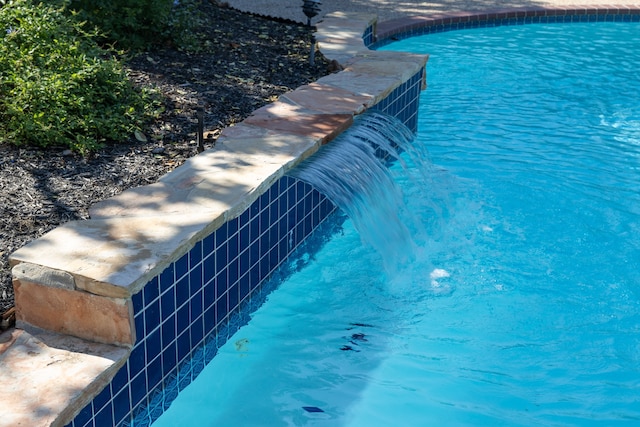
pixel 186 313
pixel 403 101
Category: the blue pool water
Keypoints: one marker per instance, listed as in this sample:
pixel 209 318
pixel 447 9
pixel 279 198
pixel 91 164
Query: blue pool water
pixel 521 305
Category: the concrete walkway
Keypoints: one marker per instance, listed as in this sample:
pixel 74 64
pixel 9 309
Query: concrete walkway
pixel 393 9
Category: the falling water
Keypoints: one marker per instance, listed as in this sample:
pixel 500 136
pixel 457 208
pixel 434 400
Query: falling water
pixel 352 172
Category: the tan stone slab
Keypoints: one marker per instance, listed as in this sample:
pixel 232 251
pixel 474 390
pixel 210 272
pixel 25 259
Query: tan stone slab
pixel 327 99
pixel 116 257
pixel 400 65
pixel 343 24
pixel 376 88
pixel 72 312
pixel 340 49
pixel 282 117
pixel 222 181
pixel 47 378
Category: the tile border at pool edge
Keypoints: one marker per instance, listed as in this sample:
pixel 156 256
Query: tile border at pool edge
pixel 388 31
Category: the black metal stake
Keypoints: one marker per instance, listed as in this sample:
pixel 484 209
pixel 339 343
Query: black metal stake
pixel 200 116
pixel 311 8
pixel 312 54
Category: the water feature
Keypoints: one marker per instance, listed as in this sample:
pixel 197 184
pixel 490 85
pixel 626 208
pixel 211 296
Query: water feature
pixel 521 305
pixel 351 171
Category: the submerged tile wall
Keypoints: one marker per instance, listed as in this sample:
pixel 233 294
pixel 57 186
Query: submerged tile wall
pixel 197 295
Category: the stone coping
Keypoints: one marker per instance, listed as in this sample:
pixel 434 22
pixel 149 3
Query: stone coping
pixel 131 237
pixel 47 377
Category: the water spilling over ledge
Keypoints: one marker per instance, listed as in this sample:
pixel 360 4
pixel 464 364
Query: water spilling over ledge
pixel 352 173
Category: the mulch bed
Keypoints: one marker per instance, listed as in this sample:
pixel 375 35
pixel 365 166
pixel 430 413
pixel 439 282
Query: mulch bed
pixel 247 62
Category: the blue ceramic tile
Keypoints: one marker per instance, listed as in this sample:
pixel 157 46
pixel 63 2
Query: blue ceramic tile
pixel 197 331
pixel 283 204
pixel 209 268
pixel 221 235
pixel 102 398
pixel 153 344
pixel 120 380
pixel 274 191
pixel 233 296
pixel 264 220
pixel 182 319
pixel 154 373
pixel 104 417
pixel 168 330
pixel 244 262
pixel 137 360
pixel 232 247
pixel 209 319
pixel 254 276
pixel 221 309
pixel 264 200
pixel 151 291
pixel 291 219
pixel 167 304
pixel 138 389
pixel 139 324
pixel 168 358
pixel 264 266
pixel 208 245
pixel 232 227
pixel 152 316
pixel 84 416
pixel 195 309
pixel 243 220
pixel 244 286
pixel 254 209
pixel 291 196
pixel 243 236
pixel 283 248
pixel 137 302
pixel 233 270
pixel 254 228
pixel 121 406
pixel 274 235
pixel 167 278
pixel 209 293
pixel 195 279
pixel 221 256
pixel 254 252
pixel 182 266
pixel 265 244
pixel 182 291
pixel 183 346
pixel 195 255
pixel 222 283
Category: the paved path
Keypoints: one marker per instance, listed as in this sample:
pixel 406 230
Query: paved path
pixel 392 9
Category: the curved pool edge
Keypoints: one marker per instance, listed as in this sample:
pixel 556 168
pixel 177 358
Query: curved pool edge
pixel 395 29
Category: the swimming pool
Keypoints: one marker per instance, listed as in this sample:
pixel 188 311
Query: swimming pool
pixel 521 305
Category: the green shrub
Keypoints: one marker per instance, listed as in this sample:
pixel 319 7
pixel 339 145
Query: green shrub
pixel 57 86
pixel 130 24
